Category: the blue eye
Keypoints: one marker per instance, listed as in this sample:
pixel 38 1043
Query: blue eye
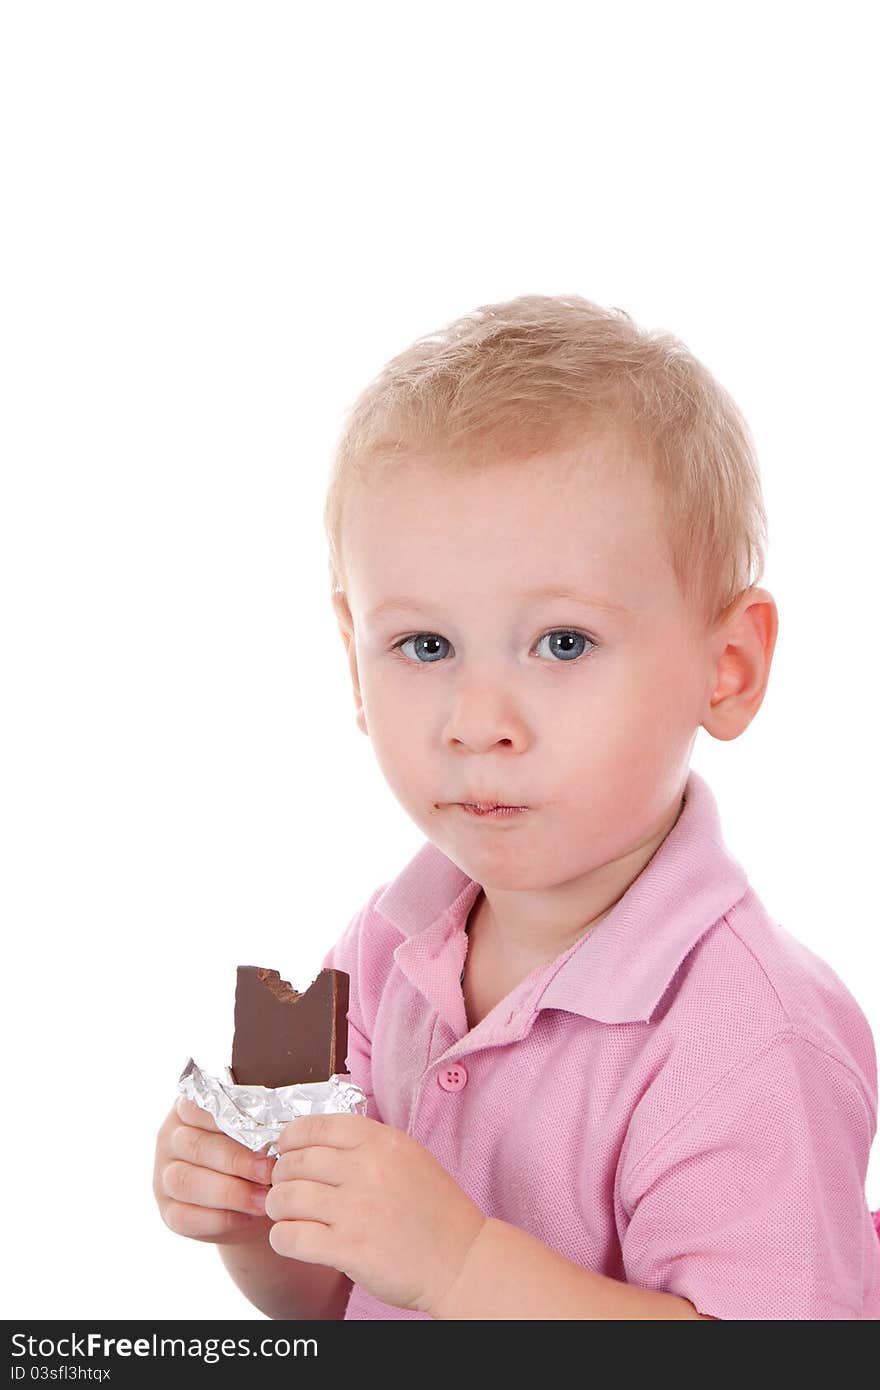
pixel 426 644
pixel 424 641
pixel 567 635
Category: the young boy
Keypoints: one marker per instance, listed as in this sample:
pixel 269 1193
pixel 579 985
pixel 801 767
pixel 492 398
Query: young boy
pixel 602 1081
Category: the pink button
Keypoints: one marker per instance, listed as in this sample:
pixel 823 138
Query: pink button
pixel 452 1078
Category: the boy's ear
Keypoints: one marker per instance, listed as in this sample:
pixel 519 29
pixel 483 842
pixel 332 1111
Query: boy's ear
pixel 346 628
pixel 745 643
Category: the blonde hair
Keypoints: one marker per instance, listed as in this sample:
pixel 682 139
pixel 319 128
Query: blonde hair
pixel 511 379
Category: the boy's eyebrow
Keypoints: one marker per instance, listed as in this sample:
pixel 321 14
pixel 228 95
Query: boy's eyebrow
pixel 389 605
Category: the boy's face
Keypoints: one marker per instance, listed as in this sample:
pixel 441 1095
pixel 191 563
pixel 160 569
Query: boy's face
pixel 495 700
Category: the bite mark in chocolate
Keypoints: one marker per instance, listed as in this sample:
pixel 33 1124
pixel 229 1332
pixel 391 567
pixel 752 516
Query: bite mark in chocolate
pixel 284 1038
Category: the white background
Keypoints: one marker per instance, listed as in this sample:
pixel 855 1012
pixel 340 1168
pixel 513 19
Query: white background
pixel 219 222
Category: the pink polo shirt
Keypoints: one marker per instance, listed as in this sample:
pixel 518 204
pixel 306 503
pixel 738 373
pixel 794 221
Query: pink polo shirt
pixel 685 1099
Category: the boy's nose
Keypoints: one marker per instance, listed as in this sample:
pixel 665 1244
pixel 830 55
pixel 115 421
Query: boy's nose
pixel 483 718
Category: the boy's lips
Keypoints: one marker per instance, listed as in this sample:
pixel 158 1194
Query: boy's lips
pixel 487 803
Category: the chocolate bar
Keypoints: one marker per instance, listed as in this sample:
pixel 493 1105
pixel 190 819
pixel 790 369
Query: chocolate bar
pixel 283 1038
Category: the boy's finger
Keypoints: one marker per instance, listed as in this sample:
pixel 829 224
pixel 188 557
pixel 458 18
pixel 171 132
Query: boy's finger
pixel 200 1223
pixel 193 1114
pixel 201 1187
pixel 220 1153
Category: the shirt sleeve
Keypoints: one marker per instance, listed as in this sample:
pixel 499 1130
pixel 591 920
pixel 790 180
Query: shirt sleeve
pixel 753 1205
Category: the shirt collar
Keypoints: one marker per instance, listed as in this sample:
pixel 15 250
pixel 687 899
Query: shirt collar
pixel 619 971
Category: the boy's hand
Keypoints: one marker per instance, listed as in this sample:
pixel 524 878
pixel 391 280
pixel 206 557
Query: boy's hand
pixel 371 1201
pixel 208 1186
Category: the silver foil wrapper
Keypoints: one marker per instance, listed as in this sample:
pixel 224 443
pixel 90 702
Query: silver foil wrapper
pixel 256 1115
